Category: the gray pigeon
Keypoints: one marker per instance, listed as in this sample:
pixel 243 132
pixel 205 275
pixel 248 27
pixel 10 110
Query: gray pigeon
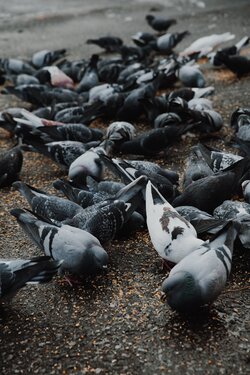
pixel 88 164
pixel 48 206
pixel 16 273
pixel 200 277
pixel 81 253
pixel 191 76
pixel 246 190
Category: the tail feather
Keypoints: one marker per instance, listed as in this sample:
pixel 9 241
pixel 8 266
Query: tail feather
pixel 69 191
pixel 24 190
pixel 33 271
pixel 243 42
pixel 131 190
pixel 29 223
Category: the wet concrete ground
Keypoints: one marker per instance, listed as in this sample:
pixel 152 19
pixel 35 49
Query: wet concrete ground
pixel 116 324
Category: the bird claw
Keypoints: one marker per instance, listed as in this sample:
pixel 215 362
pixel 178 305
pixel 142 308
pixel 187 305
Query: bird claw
pixel 72 281
pixel 166 265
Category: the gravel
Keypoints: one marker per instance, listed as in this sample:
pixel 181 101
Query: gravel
pixel 116 323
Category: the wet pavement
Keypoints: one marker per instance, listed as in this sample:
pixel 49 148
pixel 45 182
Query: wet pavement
pixel 117 324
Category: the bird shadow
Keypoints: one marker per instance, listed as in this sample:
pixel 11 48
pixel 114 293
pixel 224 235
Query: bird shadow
pixel 200 327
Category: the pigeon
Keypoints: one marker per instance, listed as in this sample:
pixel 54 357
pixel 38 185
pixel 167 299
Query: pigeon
pixel 10 166
pixel 48 206
pixel 108 43
pixel 87 164
pixel 47 57
pixel 246 190
pixel 16 66
pixel 188 93
pixel 90 76
pixel 103 220
pixel 191 76
pixel 159 24
pixel 217 160
pixel 32 126
pixel 64 153
pixel 230 51
pixel 154 141
pixel 165 119
pixel 207 44
pixel 127 71
pixel 167 42
pixel 201 220
pixel 209 192
pixel 16 273
pixel 173 237
pixel 129 170
pixel 42 95
pixel 84 114
pixel 200 104
pixel 196 167
pixel 81 252
pixel 55 77
pixel 69 132
pixel 200 277
pixel 239 65
pixel 117 133
pixel 240 117
pixel 230 210
pixel 142 38
pixel 25 79
pixel 237 211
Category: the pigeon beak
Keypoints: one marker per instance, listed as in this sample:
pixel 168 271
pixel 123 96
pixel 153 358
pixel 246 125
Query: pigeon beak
pixel 163 297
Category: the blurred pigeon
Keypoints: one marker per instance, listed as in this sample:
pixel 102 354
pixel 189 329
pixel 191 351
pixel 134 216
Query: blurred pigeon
pixel 64 153
pixel 16 273
pixel 109 43
pixel 246 190
pixel 191 76
pixel 239 65
pixel 159 23
pixel 142 38
pixel 187 93
pixel 46 57
pixel 90 76
pixel 230 51
pixel 16 66
pixel 10 165
pixel 240 117
pixel 55 77
pixel 167 42
pixel 207 44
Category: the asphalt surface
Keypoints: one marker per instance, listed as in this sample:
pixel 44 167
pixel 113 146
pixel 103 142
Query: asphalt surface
pixel 117 324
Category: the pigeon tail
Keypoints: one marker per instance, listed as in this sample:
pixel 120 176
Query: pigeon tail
pixel 243 42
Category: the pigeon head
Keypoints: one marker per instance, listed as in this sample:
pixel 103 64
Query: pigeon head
pixel 88 164
pixel 182 292
pixel 97 259
pixel 149 17
pixel 120 131
pixel 43 76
